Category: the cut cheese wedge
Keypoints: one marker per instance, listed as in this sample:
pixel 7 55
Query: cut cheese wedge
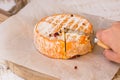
pixel 63 36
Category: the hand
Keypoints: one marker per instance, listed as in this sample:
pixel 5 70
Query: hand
pixel 111 37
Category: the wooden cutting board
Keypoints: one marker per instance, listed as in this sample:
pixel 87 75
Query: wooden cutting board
pixel 28 74
pixel 3 17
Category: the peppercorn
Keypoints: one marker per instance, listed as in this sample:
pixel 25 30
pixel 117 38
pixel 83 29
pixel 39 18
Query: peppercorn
pixel 83 23
pixel 66 30
pixel 56 34
pixel 50 35
pixel 60 31
pixel 71 15
pixel 75 67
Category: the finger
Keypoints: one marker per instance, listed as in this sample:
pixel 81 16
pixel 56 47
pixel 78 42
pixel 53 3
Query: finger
pixel 112 56
pixel 99 34
pixel 104 36
pixel 116 23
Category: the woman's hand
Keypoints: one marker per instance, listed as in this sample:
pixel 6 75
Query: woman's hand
pixel 111 37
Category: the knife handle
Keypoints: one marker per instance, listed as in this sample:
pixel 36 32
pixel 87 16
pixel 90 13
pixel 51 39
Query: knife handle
pixel 101 44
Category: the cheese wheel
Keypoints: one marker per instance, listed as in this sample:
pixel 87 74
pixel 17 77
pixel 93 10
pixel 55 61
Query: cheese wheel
pixel 63 36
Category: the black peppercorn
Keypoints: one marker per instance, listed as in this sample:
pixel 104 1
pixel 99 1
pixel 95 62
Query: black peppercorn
pixel 60 31
pixel 50 35
pixel 75 67
pixel 83 23
pixel 71 15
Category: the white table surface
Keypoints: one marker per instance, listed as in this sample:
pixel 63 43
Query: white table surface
pixel 106 8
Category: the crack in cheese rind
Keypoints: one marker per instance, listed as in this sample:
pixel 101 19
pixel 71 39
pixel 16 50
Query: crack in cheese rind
pixel 51 48
pixel 66 44
pixel 64 33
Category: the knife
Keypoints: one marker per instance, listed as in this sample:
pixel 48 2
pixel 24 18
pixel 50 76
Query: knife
pixel 95 40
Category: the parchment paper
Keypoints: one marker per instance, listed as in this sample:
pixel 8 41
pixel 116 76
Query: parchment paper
pixel 16 43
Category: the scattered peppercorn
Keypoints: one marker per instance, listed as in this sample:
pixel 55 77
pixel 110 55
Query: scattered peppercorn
pixel 83 23
pixel 75 67
pixel 56 34
pixel 8 68
pixel 71 15
pixel 66 30
pixel 50 35
pixel 60 31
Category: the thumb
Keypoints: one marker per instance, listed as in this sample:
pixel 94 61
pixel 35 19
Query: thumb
pixel 112 56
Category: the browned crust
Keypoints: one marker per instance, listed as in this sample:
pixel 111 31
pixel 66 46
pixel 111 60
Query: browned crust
pixel 57 50
pixel 44 45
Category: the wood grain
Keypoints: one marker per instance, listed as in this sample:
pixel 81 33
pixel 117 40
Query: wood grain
pixel 28 74
pixel 2 17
